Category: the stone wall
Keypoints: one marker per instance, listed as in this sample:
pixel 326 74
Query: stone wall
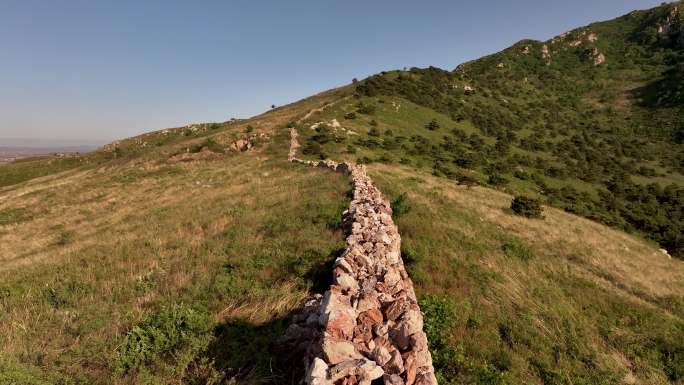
pixel 368 325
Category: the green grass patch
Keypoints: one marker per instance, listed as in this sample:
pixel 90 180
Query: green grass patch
pixel 14 216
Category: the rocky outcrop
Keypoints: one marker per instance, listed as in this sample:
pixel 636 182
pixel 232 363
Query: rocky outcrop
pixel 669 24
pixel 672 26
pixel 368 324
pixel 203 154
pixel 596 56
pixel 546 54
pixel 247 143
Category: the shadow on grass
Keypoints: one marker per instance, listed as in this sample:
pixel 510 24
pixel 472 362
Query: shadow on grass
pixel 320 274
pixel 244 353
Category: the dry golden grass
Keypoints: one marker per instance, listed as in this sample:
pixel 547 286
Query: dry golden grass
pixel 578 292
pixel 627 261
pixel 104 248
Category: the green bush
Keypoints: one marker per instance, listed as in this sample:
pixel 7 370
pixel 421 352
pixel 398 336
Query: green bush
pixel 366 109
pixel 439 319
pixel 526 207
pixel 163 336
pixel 432 125
pixel 312 148
pixel 400 205
pixel 497 180
pixel 409 255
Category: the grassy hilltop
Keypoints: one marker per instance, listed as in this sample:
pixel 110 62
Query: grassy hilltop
pixel 129 266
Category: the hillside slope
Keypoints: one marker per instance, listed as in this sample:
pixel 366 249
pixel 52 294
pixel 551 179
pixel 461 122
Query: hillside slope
pixel 591 120
pixel 178 257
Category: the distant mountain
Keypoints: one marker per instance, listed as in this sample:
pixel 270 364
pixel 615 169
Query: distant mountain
pixel 50 143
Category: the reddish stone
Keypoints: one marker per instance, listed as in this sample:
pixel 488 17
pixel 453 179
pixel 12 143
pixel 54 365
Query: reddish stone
pixel 371 317
pixel 410 367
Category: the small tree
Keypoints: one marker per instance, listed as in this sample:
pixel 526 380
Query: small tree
pixel 432 125
pixel 526 207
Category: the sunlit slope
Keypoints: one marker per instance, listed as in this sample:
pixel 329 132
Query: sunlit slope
pixel 510 300
pixel 140 269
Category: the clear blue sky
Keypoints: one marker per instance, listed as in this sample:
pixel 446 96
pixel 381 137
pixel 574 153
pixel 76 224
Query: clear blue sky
pixel 92 69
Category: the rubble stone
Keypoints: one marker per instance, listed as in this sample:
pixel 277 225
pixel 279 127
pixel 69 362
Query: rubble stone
pixel 368 324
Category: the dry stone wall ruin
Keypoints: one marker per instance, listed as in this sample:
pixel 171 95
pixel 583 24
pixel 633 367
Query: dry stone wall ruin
pixel 367 326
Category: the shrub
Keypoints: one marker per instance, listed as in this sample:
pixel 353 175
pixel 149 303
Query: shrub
pixel 350 115
pixel 162 335
pixel 439 318
pixel 373 123
pixel 65 237
pixel 465 180
pixel 497 180
pixel 432 125
pixel 673 358
pixel 526 207
pixel 366 109
pixel 522 175
pixel 374 132
pixel 400 205
pixel 249 128
pixel 312 148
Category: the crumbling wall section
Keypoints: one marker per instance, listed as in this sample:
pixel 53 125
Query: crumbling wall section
pixel 368 325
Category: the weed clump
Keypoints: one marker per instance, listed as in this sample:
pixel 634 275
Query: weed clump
pixel 516 249
pixel 166 335
pixel 11 216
